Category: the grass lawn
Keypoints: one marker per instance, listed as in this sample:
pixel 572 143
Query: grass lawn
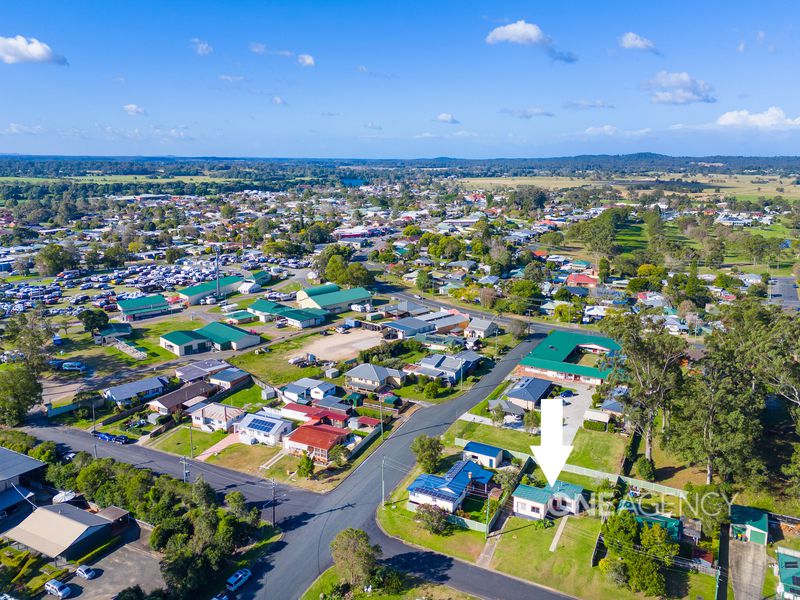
pixel 396 520
pixel 71 419
pixel 273 366
pixel 672 470
pixel 524 551
pixel 482 408
pixel 176 441
pixel 249 396
pixel 632 236
pixel 597 450
pixel 327 582
pixel 244 457
pixel 508 439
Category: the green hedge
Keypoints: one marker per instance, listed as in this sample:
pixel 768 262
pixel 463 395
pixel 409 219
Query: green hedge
pixel 88 558
pixel 594 425
pixel 37 583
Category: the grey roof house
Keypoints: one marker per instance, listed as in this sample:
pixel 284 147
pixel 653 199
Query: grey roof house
pixel 144 388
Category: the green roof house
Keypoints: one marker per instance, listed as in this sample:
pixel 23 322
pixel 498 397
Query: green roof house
pixel 749 524
pixel 182 342
pixel 536 502
pixel 301 318
pixel 674 527
pixel 788 571
pixel 144 307
pixel 332 298
pixel 569 356
pixel 227 285
pixel 228 337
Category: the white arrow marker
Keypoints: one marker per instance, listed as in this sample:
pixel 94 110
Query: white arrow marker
pixel 551 455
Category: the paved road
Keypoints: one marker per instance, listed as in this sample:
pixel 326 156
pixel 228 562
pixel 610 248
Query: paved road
pixel 783 291
pixel 310 521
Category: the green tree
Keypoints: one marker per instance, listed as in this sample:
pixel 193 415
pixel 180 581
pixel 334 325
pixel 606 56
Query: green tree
pixel 354 556
pixel 497 415
pixel 428 452
pixel 336 269
pixel 531 421
pixel 432 389
pixel 518 329
pixel 791 471
pixel 306 467
pixel 603 269
pixel 433 518
pixel 30 333
pixel 649 364
pixel 203 495
pixel 424 281
pixel 93 320
pixel 173 254
pixel 339 455
pixel 657 542
pixel 54 258
pixel 115 256
pixel 358 275
pixel 20 391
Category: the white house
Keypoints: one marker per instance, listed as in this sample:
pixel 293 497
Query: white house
pixel 480 329
pixel 261 429
pixel 213 416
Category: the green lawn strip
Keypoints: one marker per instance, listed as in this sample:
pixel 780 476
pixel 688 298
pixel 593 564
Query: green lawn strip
pixel 597 450
pixel 400 522
pixel 326 584
pixel 508 439
pixel 244 457
pixel 71 419
pixel 177 441
pixel 672 470
pixel 46 573
pixel 251 395
pixel 481 409
pixel 770 500
pixel 524 551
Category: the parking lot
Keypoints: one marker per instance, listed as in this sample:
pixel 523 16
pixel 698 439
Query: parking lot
pixel 131 564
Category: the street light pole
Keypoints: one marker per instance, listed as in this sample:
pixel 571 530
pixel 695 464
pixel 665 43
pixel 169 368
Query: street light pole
pixel 383 482
pixel 273 503
pixel 191 444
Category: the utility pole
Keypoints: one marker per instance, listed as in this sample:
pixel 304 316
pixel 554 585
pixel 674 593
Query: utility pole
pixel 94 421
pixel 383 482
pixel 380 408
pixel 185 469
pixel 487 517
pixel 191 444
pixel 273 504
pixel 216 268
pixel 95 451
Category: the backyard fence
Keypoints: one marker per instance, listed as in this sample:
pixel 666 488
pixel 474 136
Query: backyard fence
pixel 365 442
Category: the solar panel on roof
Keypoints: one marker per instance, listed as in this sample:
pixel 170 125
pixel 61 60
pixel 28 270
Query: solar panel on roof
pixel 435 493
pixel 261 425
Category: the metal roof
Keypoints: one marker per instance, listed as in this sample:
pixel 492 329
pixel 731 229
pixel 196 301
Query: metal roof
pixel 209 287
pixel 51 530
pixel 14 464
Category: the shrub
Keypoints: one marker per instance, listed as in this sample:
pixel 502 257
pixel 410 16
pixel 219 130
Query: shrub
pixel 645 469
pixel 594 425
pixel 614 570
pixel 433 518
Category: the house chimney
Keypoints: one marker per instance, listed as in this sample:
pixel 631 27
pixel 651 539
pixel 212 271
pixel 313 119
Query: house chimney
pixel 469 474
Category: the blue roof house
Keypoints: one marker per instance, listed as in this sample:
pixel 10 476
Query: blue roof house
pixel 483 454
pixel 449 491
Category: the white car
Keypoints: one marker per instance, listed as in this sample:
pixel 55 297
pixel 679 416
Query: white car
pixel 86 572
pixel 58 589
pixel 238 579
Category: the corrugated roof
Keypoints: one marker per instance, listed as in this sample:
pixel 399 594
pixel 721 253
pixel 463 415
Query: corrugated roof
pixel 482 449
pixel 342 296
pixel 221 333
pixel 156 301
pixel 13 464
pixel 533 494
pixel 209 287
pixel 553 351
pixel 180 337
pixel 51 530
pixel 320 290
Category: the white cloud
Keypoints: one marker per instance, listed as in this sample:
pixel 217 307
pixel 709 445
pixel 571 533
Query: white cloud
pixel 425 135
pixel 465 134
pixel 612 131
pixel 527 113
pixel 678 88
pixel 587 104
pixel 761 36
pixel 257 48
pixel 633 41
pixel 329 113
pixel 741 47
pixel 231 78
pixel 447 118
pixel 19 49
pixel 362 69
pixel 771 119
pixel 278 101
pixel 202 47
pixel 373 126
pixel 20 129
pixel 134 110
pixel 305 60
pixel 528 34
pixel 519 32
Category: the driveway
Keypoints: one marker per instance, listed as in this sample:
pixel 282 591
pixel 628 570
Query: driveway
pixel 747 565
pixel 574 408
pixel 128 565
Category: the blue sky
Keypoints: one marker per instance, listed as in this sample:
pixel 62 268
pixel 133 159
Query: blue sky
pixel 402 79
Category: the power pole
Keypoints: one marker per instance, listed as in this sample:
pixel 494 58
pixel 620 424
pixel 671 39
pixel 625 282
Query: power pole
pixel 94 421
pixel 185 469
pixel 95 451
pixel 383 482
pixel 191 444
pixel 273 504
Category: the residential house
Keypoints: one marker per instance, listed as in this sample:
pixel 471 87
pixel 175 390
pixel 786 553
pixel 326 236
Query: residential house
pixel 213 416
pixel 528 392
pixel 559 499
pixel 447 369
pixel 176 400
pixel 749 524
pixel 230 378
pixel 306 389
pixel 367 377
pixel 569 356
pixel 316 441
pixel 449 491
pixel 200 369
pixel 787 570
pixel 261 429
pixel 481 329
pixel 410 327
pixel 113 332
pixel 144 389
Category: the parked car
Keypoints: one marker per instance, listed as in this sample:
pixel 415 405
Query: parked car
pixel 86 572
pixel 121 439
pixel 237 580
pixel 102 435
pixel 55 588
pixel 73 366
pixel 567 394
pixel 221 596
